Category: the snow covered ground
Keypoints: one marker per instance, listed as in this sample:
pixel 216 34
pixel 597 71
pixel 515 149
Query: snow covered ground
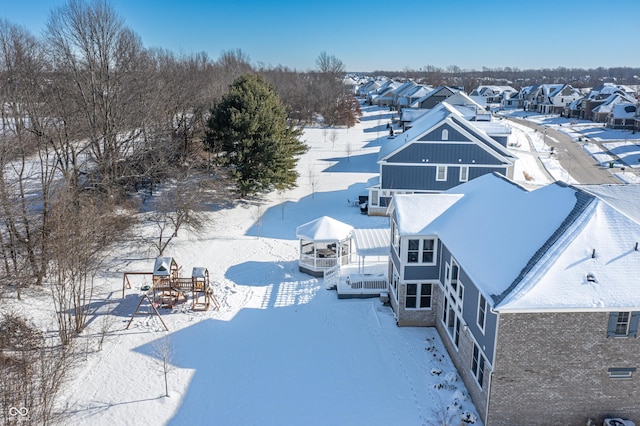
pixel 282 349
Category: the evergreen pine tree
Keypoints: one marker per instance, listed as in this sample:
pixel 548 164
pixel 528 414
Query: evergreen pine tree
pixel 248 132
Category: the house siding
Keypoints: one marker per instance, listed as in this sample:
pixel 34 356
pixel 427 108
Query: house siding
pixel 462 359
pixel 444 153
pixel 560 361
pixel 486 340
pixel 423 177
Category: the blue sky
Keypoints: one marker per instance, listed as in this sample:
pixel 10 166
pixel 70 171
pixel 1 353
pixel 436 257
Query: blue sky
pixel 381 35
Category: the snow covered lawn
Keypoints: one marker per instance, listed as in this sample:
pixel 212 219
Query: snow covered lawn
pixel 282 349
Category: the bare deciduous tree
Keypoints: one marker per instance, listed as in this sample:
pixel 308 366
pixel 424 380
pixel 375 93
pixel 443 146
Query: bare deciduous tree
pixel 33 370
pixel 176 208
pixel 164 352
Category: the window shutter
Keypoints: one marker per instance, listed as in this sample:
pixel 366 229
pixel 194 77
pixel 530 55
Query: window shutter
pixel 611 330
pixel 633 325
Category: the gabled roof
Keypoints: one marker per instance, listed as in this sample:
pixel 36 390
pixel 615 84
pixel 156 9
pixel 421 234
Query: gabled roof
pixel 613 99
pixel 435 91
pixel 533 250
pixel 436 116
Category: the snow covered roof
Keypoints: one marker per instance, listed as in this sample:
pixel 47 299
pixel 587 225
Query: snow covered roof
pixel 432 118
pixel 163 266
pixel 199 272
pixel 324 228
pixel 371 241
pixel 593 266
pixel 534 250
pixel 624 198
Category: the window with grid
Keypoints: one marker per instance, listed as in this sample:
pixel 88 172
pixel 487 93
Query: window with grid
pixel 418 296
pixel 622 324
pixel 464 173
pixel 428 250
pixel 482 310
pixel 441 173
pixel 477 365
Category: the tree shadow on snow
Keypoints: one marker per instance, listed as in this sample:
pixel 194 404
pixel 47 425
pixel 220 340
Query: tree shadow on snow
pixel 363 163
pixel 281 220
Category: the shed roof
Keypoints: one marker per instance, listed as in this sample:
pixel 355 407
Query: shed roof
pixel 372 241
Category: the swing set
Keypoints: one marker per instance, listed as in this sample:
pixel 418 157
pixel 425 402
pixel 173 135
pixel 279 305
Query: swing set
pixel 167 287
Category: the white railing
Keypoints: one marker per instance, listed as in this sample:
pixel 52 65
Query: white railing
pixel 323 262
pixel 332 277
pixel 367 282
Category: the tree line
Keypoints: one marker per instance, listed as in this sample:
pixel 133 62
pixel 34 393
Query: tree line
pixel 469 79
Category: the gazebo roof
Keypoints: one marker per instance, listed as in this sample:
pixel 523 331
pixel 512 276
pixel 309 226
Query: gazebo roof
pixel 324 228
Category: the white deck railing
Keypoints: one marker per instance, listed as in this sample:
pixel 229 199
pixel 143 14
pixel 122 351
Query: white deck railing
pixel 367 281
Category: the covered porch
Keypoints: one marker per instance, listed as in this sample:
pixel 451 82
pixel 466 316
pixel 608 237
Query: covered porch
pixel 367 274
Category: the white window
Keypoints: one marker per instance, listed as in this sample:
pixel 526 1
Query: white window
pixel 622 323
pixel 418 296
pixel 374 198
pixel 464 173
pixel 441 173
pixel 394 285
pixel 451 277
pixel 395 237
pixel 421 250
pixel 482 312
pixel 477 365
pixel 445 135
pixel 452 322
pixel 428 250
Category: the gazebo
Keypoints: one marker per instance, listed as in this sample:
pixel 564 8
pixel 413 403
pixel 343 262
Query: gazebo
pixel 324 243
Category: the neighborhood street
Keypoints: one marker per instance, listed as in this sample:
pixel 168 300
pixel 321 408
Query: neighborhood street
pixel 575 160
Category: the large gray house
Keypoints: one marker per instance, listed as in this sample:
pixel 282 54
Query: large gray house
pixel 534 292
pixel 442 149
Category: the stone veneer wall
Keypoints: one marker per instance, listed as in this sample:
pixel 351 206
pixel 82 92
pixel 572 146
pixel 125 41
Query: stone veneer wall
pixel 416 317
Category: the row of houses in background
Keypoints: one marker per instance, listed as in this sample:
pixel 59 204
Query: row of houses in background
pixel 615 105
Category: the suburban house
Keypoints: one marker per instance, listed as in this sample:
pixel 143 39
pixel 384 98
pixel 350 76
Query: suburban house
pixel 622 116
pixel 493 94
pixel 434 97
pixel 469 108
pixel 553 98
pixel 601 113
pixel 534 293
pixel 600 95
pixel 440 151
pixel 383 96
pixel 408 97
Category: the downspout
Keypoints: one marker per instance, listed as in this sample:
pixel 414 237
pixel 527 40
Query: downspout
pixel 495 349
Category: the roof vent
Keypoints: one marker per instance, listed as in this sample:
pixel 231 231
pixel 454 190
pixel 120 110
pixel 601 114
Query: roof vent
pixel 591 277
pixel 593 254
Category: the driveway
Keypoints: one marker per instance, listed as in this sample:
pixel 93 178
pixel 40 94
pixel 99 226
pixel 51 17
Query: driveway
pixel 575 160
